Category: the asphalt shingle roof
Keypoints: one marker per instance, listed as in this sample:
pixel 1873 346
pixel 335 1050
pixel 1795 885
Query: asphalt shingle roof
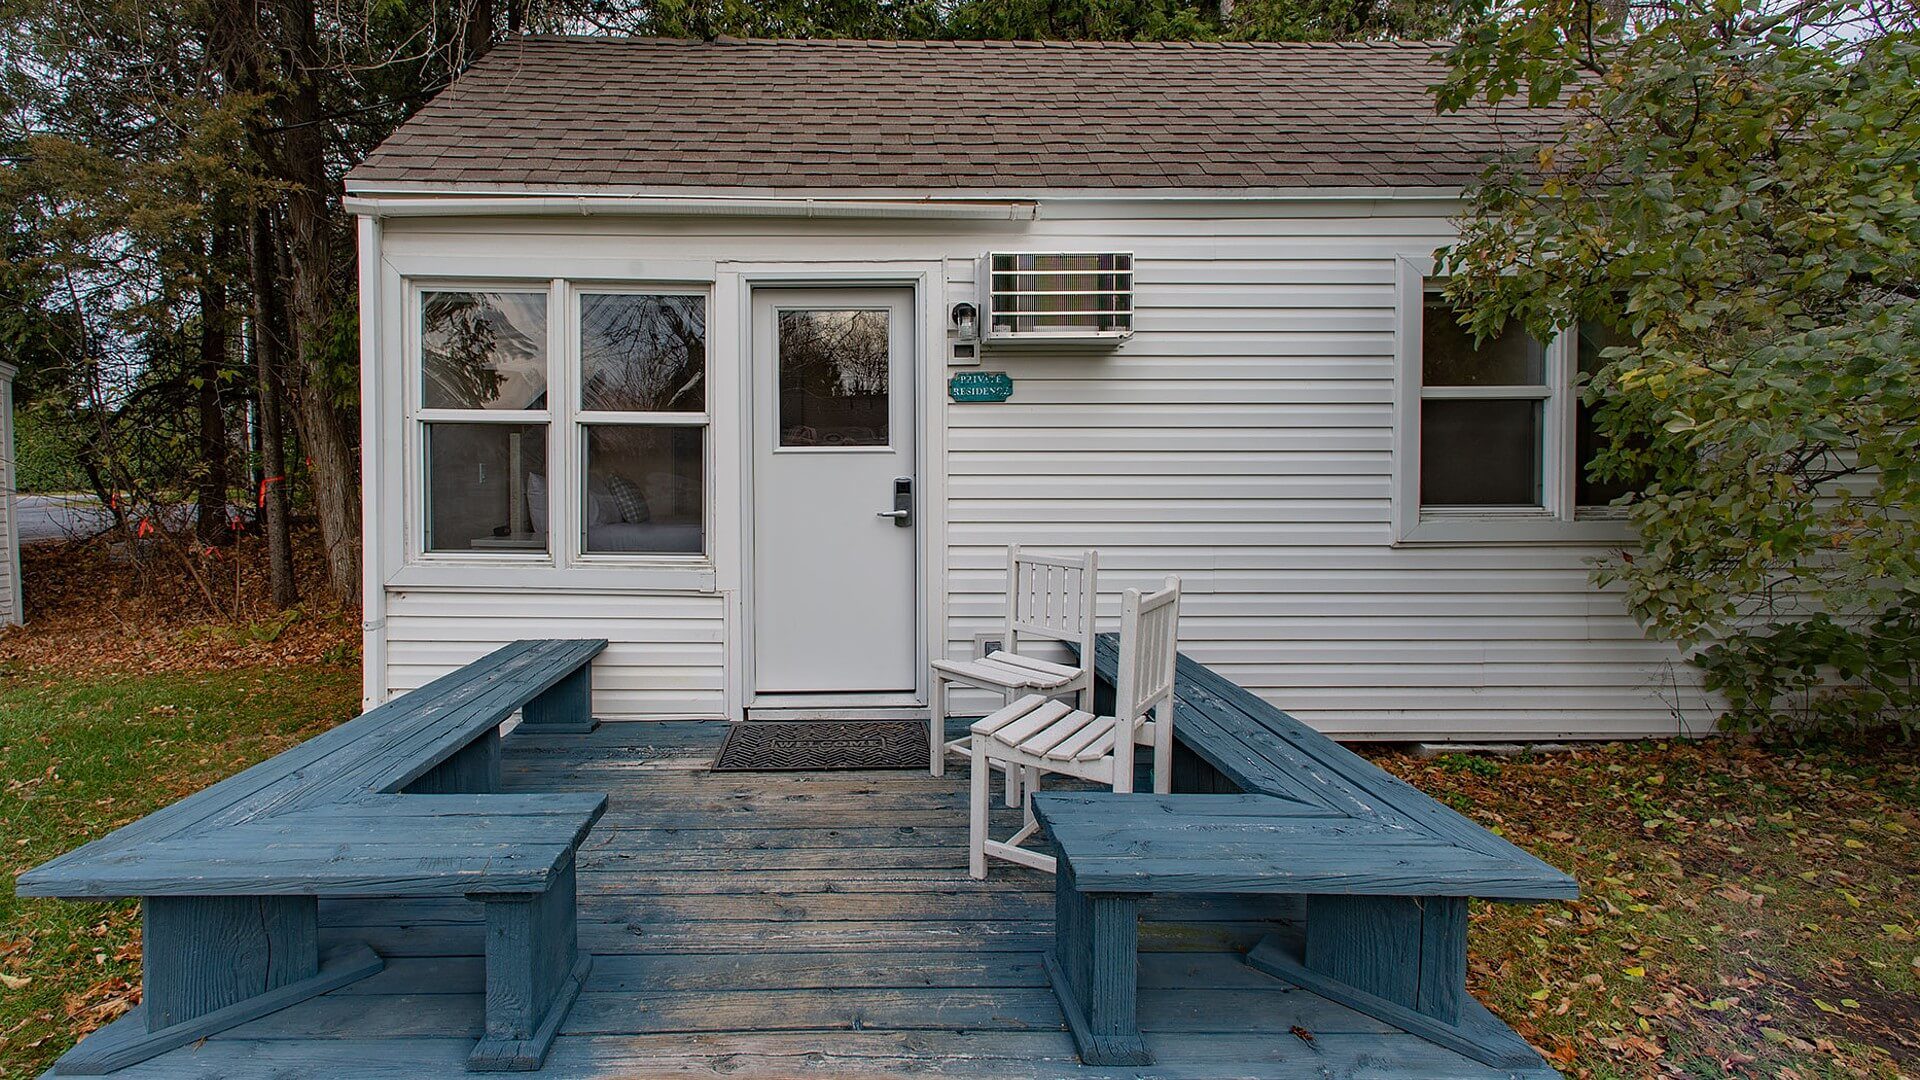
pixel 634 113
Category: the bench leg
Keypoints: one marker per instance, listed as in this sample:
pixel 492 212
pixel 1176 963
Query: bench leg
pixel 1094 967
pixel 534 971
pixel 1399 959
pixel 212 962
pixel 473 770
pixel 566 707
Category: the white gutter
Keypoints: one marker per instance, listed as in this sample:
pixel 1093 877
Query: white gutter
pixel 969 197
pixel 455 205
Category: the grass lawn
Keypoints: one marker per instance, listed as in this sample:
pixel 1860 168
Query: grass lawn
pixel 1747 913
pixel 83 754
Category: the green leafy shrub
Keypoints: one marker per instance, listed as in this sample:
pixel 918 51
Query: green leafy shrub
pixel 45 456
pixel 1822 675
pixel 1736 188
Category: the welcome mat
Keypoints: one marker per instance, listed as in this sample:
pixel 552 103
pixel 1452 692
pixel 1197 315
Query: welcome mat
pixel 783 745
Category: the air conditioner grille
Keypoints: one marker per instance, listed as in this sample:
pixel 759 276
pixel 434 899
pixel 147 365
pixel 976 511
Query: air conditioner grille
pixel 1060 296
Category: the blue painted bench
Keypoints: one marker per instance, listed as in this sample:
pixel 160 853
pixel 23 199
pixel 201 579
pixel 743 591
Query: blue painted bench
pixel 1265 805
pixel 399 802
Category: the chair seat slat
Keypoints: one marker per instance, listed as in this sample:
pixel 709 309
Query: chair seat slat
pixel 1044 741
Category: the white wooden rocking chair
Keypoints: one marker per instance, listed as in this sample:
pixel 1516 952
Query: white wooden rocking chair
pixel 1037 735
pixel 1049 597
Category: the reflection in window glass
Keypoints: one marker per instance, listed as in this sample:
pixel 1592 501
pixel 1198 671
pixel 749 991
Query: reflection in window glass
pixel 483 350
pixel 1480 453
pixel 1595 338
pixel 833 378
pixel 645 489
pixel 1449 357
pixel 643 353
pixel 486 487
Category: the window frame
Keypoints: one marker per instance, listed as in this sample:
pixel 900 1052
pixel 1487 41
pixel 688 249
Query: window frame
pixel 565 421
pixel 419 417
pixel 579 419
pixel 1557 519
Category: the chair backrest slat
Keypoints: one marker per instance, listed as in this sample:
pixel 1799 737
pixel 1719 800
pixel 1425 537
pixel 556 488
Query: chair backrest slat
pixel 1149 648
pixel 1051 597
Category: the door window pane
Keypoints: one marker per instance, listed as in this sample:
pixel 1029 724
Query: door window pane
pixel 833 378
pixel 1480 453
pixel 643 353
pixel 1449 358
pixel 486 487
pixel 646 490
pixel 483 350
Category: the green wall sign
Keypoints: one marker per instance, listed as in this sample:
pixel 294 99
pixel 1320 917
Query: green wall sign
pixel 980 386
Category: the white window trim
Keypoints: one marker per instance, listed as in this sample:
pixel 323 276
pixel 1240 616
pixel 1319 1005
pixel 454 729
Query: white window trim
pixel 566 425
pixel 1557 520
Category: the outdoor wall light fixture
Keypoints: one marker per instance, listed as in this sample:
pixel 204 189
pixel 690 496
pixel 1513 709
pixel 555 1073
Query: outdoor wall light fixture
pixel 966 322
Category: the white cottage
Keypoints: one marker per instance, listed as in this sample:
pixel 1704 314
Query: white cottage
pixel 753 356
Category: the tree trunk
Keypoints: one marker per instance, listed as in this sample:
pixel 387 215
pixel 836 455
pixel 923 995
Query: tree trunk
pixel 210 522
pixel 311 304
pixel 268 356
pixel 478 32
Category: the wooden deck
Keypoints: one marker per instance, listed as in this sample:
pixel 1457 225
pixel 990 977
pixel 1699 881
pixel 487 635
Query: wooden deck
pixel 799 924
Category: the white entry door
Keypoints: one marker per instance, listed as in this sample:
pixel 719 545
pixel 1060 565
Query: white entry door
pixel 835 496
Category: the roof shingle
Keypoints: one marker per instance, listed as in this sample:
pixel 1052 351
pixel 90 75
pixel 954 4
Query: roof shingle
pixel 637 113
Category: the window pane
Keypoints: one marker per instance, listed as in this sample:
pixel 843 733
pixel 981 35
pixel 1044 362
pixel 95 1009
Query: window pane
pixel 643 353
pixel 1480 453
pixel 1587 441
pixel 1448 357
pixel 833 378
pixel 484 350
pixel 646 490
pixel 486 487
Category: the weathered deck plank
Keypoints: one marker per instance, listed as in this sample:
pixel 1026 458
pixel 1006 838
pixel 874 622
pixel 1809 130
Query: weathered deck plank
pixel 789 925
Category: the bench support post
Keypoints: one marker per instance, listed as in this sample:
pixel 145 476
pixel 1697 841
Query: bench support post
pixel 1411 951
pixel 473 770
pixel 1401 960
pixel 1094 967
pixel 534 971
pixel 212 962
pixel 565 708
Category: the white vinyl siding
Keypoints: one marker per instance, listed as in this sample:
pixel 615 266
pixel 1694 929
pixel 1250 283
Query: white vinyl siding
pixel 664 654
pixel 1244 438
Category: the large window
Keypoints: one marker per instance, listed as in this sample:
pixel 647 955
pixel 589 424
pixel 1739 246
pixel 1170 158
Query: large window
pixel 597 451
pixel 1494 443
pixel 643 418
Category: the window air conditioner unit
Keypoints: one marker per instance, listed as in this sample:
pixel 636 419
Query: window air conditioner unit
pixel 1057 298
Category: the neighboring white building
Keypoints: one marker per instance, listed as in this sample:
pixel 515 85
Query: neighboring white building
pixel 653 331
pixel 12 604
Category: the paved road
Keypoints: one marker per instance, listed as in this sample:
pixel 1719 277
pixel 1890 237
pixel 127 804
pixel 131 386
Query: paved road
pixel 58 517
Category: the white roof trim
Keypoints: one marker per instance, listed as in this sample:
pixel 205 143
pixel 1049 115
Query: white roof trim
pixel 462 204
pixel 931 196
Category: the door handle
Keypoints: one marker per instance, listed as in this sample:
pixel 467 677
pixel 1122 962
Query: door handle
pixel 902 512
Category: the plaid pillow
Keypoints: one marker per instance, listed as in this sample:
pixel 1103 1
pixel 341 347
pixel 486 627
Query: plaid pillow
pixel 630 499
